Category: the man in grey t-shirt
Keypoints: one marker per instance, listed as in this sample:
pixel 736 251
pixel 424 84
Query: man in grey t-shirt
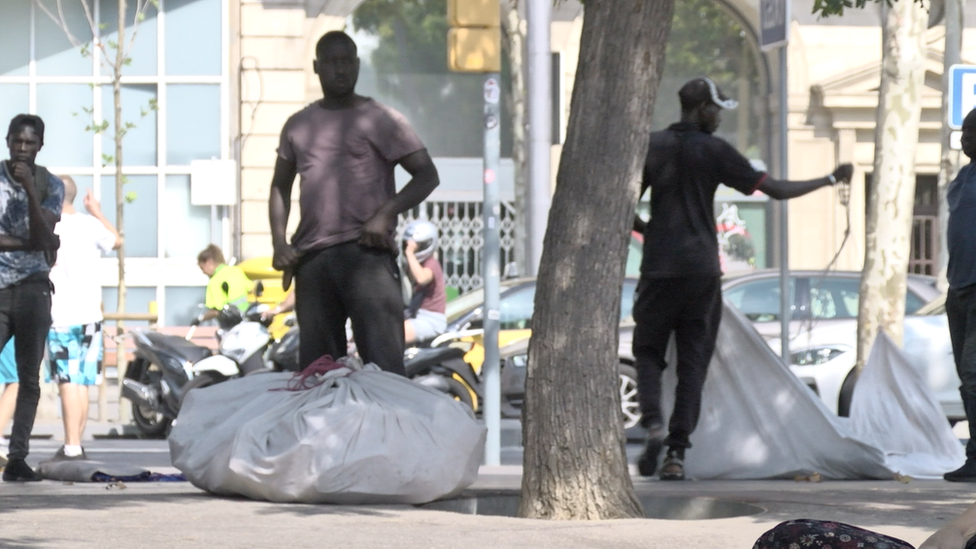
pixel 343 256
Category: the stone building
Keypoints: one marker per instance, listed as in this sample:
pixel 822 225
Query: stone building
pixel 224 75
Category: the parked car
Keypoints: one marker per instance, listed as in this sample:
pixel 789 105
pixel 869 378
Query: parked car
pixel 823 332
pixel 515 359
pixel 516 306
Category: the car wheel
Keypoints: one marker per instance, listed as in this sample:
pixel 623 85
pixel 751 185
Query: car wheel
pixel 629 404
pixel 846 394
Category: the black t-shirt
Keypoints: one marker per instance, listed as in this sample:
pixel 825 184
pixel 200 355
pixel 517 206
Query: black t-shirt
pixel 684 167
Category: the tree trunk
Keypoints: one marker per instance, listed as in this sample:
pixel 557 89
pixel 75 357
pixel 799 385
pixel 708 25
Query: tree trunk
pixel 514 35
pixel 574 461
pixel 891 198
pixel 119 134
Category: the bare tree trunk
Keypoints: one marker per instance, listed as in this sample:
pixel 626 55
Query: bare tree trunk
pixel 119 134
pixel 574 461
pixel 891 198
pixel 515 44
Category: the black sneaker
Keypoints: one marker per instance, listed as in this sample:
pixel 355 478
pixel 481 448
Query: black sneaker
pixel 647 463
pixel 60 456
pixel 17 470
pixel 966 473
pixel 673 467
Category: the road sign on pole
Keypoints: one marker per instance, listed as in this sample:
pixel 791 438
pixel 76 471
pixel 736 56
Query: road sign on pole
pixel 774 24
pixel 962 93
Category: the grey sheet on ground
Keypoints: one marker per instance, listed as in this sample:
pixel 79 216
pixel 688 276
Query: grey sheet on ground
pixel 759 421
pixel 83 470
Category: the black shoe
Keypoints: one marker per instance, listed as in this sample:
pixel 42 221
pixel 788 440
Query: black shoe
pixel 17 470
pixel 647 463
pixel 966 473
pixel 60 456
pixel 673 467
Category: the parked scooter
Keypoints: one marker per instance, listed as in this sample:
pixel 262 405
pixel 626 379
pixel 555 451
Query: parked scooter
pixel 166 367
pixel 155 377
pixel 440 364
pixel 241 351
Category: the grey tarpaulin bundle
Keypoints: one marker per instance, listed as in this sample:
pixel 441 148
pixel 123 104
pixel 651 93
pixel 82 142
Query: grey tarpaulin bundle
pixel 759 421
pixel 357 435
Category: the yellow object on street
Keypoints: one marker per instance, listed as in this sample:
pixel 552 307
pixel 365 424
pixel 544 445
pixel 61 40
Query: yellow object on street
pixel 259 268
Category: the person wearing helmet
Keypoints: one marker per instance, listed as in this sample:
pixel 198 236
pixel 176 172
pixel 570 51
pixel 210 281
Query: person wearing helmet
pixel 425 315
pixel 680 288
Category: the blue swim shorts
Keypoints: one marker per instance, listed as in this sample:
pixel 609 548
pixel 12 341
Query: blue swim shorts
pixel 75 354
pixel 8 364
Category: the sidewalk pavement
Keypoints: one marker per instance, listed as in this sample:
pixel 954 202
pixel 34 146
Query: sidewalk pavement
pixel 164 515
pixel 170 515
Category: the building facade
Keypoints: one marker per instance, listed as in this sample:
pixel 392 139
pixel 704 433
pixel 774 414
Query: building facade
pixel 216 79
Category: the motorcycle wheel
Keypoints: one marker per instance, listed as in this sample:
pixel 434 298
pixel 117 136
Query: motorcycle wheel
pixel 149 422
pixel 629 405
pixel 203 379
pixel 459 392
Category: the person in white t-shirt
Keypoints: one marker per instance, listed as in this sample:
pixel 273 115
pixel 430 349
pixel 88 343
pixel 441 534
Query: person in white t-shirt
pixel 74 344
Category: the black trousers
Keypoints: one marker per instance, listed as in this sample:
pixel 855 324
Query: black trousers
pixel 691 309
pixel 349 281
pixel 25 314
pixel 961 314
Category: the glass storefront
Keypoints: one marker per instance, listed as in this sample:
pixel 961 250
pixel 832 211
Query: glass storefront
pixel 174 101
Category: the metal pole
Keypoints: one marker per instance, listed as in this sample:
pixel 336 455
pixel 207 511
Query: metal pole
pixel 491 368
pixel 785 301
pixel 539 106
pixel 949 162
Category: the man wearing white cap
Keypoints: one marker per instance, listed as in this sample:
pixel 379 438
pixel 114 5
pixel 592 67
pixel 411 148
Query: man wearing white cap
pixel 680 288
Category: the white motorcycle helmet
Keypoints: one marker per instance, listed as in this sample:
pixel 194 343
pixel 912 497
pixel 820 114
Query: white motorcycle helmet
pixel 424 233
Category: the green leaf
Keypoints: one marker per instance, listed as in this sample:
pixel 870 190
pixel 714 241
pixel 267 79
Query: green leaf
pixel 107 159
pixel 154 104
pixel 130 197
pixel 127 61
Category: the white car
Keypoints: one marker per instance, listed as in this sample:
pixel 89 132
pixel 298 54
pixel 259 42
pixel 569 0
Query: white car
pixel 823 339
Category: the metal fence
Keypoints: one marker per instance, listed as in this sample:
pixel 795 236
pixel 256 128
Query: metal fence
pixel 461 228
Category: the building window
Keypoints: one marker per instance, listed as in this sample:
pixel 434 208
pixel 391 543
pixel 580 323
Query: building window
pixel 175 95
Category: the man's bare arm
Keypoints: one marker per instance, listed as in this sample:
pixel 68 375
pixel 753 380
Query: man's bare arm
pixel 783 190
pixel 279 207
pixel 425 179
pixel 13 244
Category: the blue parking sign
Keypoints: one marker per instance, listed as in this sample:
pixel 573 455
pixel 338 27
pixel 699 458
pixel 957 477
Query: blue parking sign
pixel 962 93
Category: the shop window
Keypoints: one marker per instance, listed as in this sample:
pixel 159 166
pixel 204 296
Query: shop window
pixel 183 304
pixel 14 99
pixel 143 52
pixel 66 141
pixel 187 238
pixel 139 143
pixel 55 53
pixel 15 39
pixel 137 300
pixel 141 218
pixel 193 40
pixel 192 123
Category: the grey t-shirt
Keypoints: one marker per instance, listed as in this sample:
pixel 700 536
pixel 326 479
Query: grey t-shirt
pixel 345 159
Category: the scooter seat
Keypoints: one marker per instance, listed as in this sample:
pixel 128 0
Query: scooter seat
pixel 190 351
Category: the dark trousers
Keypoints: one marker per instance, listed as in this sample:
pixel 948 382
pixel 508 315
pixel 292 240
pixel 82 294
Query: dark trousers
pixel 691 308
pixel 961 313
pixel 349 281
pixel 25 314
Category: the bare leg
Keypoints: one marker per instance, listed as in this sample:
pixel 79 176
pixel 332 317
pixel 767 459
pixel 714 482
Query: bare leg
pixel 74 412
pixel 8 401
